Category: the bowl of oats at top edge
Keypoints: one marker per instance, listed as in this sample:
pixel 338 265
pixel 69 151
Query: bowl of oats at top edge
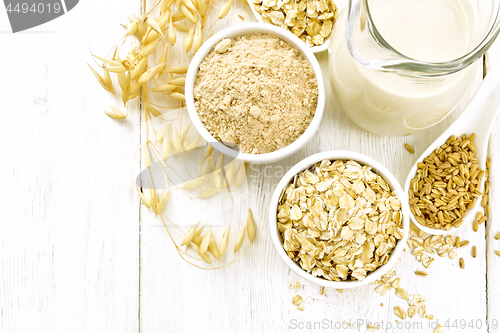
pixel 255 92
pixel 312 21
pixel 339 219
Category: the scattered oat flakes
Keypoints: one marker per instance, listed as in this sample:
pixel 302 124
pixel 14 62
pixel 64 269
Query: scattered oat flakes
pixel 372 328
pixel 400 312
pixel 497 253
pixel 311 21
pixel 422 310
pixel 416 300
pixel 439 329
pixel 401 293
pixel 429 316
pixel 297 299
pixel 294 286
pixel 497 236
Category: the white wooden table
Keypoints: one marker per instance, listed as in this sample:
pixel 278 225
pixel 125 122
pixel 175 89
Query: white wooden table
pixel 79 254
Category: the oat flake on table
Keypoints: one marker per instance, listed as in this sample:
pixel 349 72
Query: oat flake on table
pixel 256 91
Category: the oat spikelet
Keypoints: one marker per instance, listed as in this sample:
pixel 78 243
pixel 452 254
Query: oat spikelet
pixel 142 29
pixel 141 195
pixel 159 136
pixel 164 20
pixel 217 179
pixel 149 195
pixel 171 36
pixel 181 27
pixel 123 80
pixel 185 131
pixel 140 68
pixel 208 193
pixel 198 38
pixel 207 167
pixel 193 144
pixel 108 61
pixel 202 8
pixel 116 113
pixel 240 239
pixel 149 74
pixel 188 42
pixel 151 109
pixel 224 241
pixel 187 13
pixel 132 29
pixel 205 241
pixel 150 48
pixel 180 82
pixel 176 70
pixel 190 234
pixel 116 69
pixel 151 36
pixel 146 157
pixel 165 5
pixel 104 81
pixel 176 138
pixel 225 9
pixel 163 201
pixel 189 5
pixel 241 175
pixel 230 174
pixel 250 225
pixel 154 25
pixel 205 257
pixel 212 247
pixel 164 88
pixel 190 185
pixel 177 96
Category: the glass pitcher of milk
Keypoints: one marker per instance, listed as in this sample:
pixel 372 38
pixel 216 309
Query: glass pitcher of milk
pixel 399 66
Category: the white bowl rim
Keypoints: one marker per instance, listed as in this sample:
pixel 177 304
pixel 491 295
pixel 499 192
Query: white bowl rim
pixel 314 49
pixel 238 30
pixel 363 160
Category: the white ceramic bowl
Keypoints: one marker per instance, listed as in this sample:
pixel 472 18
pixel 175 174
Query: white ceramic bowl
pixel 363 160
pixel 239 30
pixel 314 49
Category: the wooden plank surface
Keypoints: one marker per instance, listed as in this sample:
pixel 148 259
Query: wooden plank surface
pixel 78 254
pixel 69 257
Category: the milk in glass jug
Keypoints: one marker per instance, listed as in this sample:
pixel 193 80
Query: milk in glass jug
pixel 400 66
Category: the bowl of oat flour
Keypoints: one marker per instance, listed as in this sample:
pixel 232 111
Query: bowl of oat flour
pixel 255 92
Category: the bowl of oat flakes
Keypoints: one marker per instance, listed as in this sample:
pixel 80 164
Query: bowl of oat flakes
pixel 255 92
pixel 339 219
pixel 311 21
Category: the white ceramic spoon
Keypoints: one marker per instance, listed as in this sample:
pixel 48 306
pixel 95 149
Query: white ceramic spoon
pixel 478 118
